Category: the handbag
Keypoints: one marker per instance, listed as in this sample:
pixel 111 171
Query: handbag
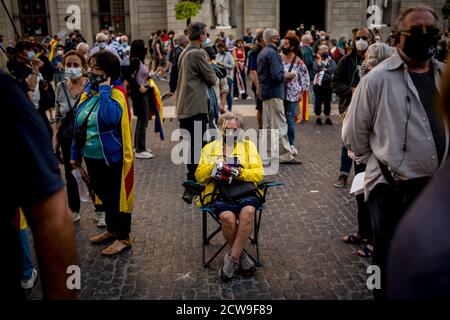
pixel 237 189
pixel 65 126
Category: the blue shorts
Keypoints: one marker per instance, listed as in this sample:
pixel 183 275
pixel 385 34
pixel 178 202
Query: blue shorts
pixel 220 206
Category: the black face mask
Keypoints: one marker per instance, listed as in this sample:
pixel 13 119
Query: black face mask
pixel 324 56
pixel 286 51
pixel 421 47
pixel 95 79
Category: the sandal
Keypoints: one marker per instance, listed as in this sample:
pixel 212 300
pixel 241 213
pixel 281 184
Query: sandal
pixel 117 247
pixel 365 251
pixel 354 238
pixel 102 237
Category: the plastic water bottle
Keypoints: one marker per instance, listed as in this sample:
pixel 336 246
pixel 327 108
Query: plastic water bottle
pixel 82 188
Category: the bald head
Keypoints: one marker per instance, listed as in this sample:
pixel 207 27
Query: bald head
pixel 83 47
pixel 183 41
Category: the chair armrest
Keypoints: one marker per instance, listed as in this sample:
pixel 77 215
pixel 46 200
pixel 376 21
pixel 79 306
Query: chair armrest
pixel 193 187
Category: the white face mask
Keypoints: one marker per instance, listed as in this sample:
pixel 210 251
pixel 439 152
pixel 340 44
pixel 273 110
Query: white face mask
pixel 361 45
pixel 72 73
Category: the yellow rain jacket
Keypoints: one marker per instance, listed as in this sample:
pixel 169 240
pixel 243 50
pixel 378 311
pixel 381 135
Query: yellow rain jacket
pixel 245 151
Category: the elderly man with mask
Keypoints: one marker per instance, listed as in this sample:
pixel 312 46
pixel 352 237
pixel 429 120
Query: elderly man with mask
pixel 393 126
pixel 101 43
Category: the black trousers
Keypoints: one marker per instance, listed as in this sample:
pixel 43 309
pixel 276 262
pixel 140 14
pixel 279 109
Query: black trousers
pixel 196 142
pixel 71 183
pixel 364 224
pixel 387 205
pixel 322 95
pixel 106 182
pixel 141 124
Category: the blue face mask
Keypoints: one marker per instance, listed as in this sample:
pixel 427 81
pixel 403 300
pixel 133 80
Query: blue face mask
pixel 102 45
pixel 30 55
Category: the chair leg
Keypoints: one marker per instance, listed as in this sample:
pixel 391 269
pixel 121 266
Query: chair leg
pixel 256 235
pixel 206 265
pixel 204 236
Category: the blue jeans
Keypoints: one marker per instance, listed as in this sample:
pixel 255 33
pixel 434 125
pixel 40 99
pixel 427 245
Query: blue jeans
pixel 346 162
pixel 27 263
pixel 289 112
pixel 230 94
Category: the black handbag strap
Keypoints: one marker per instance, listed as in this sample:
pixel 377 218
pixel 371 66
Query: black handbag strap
pixel 88 115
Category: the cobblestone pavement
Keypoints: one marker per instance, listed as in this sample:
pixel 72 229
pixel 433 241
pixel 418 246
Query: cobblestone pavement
pixel 302 254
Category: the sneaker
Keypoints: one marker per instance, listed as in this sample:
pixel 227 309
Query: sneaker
pixel 247 265
pixel 294 150
pixel 319 121
pixel 101 220
pixel 143 155
pixel 29 283
pixel 235 99
pixel 75 216
pixel 341 181
pixel 248 98
pixel 230 266
pixel 328 122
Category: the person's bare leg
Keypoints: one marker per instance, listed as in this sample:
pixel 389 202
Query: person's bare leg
pixel 244 230
pixel 259 118
pixel 229 227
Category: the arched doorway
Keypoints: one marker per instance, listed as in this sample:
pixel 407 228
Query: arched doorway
pixel 293 13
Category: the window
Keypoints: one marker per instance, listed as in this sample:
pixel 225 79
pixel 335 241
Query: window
pixel 33 17
pixel 111 15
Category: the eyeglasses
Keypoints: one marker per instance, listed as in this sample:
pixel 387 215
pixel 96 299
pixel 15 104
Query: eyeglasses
pixel 363 38
pixel 417 31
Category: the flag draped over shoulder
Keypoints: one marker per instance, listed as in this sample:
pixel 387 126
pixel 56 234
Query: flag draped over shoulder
pixel 118 93
pixel 156 109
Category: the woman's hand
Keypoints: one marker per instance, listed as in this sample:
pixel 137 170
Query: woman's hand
pixel 107 82
pixel 142 89
pixel 75 164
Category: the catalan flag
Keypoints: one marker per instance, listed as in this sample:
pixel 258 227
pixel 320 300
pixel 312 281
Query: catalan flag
pixel 156 108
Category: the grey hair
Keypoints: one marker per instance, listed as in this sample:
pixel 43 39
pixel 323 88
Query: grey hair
pixel 229 116
pixel 377 53
pixel 306 37
pixel 195 30
pixel 408 10
pixel 269 33
pixel 182 40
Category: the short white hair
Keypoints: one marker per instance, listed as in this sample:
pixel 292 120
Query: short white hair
pixel 377 53
pixel 306 38
pixel 101 35
pixel 230 116
pixel 269 33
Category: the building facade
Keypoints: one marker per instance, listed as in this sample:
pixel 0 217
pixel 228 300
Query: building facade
pixel 138 18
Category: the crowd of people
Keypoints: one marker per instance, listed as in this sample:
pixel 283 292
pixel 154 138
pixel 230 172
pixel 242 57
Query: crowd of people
pixel 74 108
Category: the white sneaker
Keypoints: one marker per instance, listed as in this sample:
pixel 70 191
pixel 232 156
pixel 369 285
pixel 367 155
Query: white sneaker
pixel 294 150
pixel 101 220
pixel 28 284
pixel 235 99
pixel 249 98
pixel 144 155
pixel 75 216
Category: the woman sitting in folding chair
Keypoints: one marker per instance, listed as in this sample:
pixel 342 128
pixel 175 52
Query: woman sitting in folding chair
pixel 226 165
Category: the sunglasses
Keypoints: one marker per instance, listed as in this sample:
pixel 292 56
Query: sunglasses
pixel 363 38
pixel 417 31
